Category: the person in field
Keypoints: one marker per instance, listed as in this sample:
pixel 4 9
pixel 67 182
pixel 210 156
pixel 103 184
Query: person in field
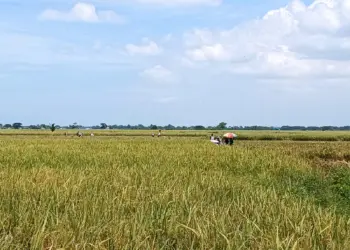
pixel 226 141
pixel 159 133
pixel 230 141
pixel 216 140
pixel 212 137
pixel 229 138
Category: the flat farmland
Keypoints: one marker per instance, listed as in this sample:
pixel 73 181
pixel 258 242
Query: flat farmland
pixel 242 134
pixel 172 193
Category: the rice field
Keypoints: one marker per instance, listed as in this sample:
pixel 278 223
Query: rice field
pixel 139 192
pixel 243 134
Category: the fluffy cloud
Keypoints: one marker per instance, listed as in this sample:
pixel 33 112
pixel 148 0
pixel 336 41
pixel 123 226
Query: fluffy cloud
pixel 147 48
pixel 181 2
pixel 170 3
pixel 81 12
pixel 297 40
pixel 209 52
pixel 158 73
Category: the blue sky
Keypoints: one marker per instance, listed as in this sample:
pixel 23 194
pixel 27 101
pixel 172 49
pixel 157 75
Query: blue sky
pixel 271 62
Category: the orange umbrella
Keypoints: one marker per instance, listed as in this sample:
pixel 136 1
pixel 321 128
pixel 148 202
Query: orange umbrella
pixel 230 135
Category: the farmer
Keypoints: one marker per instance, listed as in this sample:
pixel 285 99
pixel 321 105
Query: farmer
pixel 230 141
pixel 217 141
pixel 229 138
pixel 212 137
pixel 226 141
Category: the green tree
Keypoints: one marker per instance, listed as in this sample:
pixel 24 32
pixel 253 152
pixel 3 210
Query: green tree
pixel 103 125
pixel 153 126
pixel 74 126
pixel 169 127
pixel 221 126
pixel 199 127
pixel 17 125
pixel 34 127
pixel 53 127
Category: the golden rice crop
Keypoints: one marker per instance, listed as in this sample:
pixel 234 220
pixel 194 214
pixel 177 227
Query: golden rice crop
pixel 172 193
pixel 242 134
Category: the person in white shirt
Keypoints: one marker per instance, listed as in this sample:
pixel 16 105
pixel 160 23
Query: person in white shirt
pixel 212 137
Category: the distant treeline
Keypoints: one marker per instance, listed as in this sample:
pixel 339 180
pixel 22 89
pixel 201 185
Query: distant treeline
pixel 220 126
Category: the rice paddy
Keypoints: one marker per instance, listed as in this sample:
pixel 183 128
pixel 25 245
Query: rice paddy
pixel 138 192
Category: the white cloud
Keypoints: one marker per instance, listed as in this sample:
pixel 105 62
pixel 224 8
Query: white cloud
pixel 158 73
pixel 148 48
pixel 181 2
pixel 170 3
pixel 297 40
pixel 294 41
pixel 209 52
pixel 82 12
